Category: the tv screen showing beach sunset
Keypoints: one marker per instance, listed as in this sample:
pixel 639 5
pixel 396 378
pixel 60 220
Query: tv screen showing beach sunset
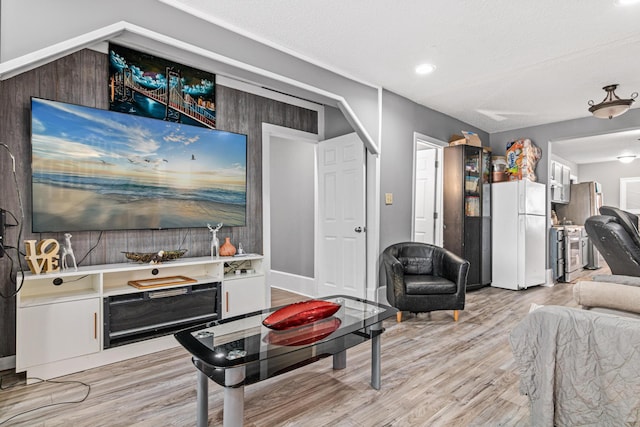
pixel 95 170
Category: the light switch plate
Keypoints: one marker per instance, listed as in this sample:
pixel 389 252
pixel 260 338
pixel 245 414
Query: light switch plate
pixel 388 198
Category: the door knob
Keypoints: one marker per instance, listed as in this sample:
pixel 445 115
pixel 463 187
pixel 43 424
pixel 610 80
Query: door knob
pixel 359 229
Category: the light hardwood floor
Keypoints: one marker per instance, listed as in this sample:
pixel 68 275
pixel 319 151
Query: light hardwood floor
pixel 435 372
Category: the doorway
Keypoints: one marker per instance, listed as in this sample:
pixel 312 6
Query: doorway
pixel 427 190
pixel 289 204
pixel 313 204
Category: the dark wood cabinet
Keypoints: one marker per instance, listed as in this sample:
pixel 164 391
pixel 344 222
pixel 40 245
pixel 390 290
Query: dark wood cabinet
pixel 467 209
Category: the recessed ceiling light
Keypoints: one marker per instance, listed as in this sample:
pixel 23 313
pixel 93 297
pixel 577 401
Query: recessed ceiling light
pixel 626 2
pixel 425 69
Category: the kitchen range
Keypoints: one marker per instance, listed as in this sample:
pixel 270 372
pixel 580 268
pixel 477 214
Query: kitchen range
pixel 585 201
pixel 570 249
pixel 568 252
pixel 575 241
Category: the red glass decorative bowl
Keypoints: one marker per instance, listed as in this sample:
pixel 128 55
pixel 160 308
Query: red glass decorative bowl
pixel 300 313
pixel 305 334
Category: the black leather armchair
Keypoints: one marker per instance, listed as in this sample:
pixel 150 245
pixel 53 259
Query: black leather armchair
pixel 615 234
pixel 422 278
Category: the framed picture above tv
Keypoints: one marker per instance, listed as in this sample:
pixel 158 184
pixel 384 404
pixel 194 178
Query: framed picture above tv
pixel 146 85
pixel 96 169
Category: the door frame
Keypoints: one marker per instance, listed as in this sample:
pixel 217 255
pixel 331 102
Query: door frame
pixel 438 145
pixel 372 214
pixel 299 284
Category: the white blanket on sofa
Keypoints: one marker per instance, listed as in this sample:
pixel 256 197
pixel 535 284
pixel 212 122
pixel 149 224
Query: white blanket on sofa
pixel 579 368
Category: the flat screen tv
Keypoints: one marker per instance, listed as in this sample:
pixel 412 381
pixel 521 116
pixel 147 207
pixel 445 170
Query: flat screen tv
pixel 95 170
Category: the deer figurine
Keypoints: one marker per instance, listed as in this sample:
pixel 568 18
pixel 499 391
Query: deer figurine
pixel 215 242
pixel 68 250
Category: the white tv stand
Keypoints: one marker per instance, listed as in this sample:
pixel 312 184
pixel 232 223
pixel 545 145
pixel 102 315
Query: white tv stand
pixel 60 328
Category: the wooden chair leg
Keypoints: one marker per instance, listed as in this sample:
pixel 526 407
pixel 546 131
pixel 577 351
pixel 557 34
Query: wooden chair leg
pixel 399 316
pixel 455 315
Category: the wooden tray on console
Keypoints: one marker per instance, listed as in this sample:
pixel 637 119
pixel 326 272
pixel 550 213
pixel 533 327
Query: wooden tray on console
pixel 157 282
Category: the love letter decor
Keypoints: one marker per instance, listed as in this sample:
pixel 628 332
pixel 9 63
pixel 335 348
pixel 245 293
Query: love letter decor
pixel 300 313
pixel 42 257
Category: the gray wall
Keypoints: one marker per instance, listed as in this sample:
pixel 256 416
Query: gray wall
pixel 292 206
pixel 400 119
pixel 335 123
pixel 608 174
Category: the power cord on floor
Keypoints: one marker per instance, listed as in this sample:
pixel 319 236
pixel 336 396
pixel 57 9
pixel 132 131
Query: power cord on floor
pixel 2 387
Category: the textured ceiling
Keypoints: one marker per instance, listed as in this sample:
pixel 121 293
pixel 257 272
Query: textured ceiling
pixel 501 64
pixel 599 148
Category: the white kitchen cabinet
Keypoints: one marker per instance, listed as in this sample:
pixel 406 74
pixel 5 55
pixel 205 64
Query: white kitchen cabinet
pixel 560 183
pixel 566 184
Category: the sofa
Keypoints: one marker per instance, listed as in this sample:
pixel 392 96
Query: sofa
pixel 582 366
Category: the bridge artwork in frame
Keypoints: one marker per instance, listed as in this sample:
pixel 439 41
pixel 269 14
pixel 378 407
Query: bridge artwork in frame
pixel 145 85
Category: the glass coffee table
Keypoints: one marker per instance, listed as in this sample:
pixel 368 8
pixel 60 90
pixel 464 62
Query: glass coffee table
pixel 239 351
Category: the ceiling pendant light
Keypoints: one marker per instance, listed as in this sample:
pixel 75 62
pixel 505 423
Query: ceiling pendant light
pixel 611 106
pixel 626 159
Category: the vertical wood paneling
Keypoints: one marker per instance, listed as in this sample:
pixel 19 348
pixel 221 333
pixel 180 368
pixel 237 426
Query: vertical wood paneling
pixel 8 201
pixel 82 78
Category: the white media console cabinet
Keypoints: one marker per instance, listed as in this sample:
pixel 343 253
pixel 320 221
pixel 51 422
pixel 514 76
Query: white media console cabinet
pixel 70 320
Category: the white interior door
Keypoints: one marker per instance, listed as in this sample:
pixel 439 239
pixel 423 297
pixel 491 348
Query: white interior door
pixel 426 225
pixel 341 188
pixel 425 197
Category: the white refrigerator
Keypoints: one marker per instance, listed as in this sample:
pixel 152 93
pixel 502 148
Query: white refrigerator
pixel 518 234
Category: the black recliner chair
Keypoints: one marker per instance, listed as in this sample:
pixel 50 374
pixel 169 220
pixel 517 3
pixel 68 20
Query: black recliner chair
pixel 615 234
pixel 422 278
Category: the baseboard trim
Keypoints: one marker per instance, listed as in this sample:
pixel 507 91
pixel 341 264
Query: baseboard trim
pixel 293 283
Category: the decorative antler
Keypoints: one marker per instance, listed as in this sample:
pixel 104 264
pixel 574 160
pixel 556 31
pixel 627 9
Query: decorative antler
pixel 213 230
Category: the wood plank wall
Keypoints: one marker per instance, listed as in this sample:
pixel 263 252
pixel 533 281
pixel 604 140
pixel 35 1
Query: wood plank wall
pixel 81 78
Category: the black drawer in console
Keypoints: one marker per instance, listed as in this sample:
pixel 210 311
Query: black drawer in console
pixel 143 315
